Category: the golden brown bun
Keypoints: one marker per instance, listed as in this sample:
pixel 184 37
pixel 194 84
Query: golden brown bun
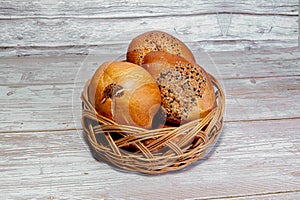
pixel 156 41
pixel 186 89
pixel 125 93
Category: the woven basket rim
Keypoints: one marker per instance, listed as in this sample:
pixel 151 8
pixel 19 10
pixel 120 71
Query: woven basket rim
pixel 164 152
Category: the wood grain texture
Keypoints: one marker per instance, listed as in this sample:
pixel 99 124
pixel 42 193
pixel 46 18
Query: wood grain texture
pixel 62 69
pixel 217 25
pixel 44 43
pixel 70 31
pixel 40 98
pixel 270 196
pixel 142 8
pixel 49 107
pixel 209 46
pixel 59 165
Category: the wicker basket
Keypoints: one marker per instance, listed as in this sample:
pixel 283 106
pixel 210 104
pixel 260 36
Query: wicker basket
pixel 151 151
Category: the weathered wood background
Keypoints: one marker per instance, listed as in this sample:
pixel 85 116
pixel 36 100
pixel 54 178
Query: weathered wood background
pixel 48 49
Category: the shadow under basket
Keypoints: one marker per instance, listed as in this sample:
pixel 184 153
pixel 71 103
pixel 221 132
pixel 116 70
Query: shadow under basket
pixel 151 151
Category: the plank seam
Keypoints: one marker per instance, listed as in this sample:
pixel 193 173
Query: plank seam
pixel 252 195
pixel 75 129
pixel 12 85
pixel 88 46
pixel 3 17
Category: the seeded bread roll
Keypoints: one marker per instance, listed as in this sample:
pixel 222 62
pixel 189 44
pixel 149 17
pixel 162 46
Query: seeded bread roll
pixel 187 92
pixel 156 41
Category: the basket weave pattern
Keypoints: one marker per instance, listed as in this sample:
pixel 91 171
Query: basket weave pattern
pixel 154 151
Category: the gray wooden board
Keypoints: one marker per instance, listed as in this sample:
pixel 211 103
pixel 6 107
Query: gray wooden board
pixel 62 69
pixel 216 25
pixel 40 98
pixel 250 158
pixel 141 8
pixel 45 58
pixel 77 31
pixel 43 107
pixel 209 46
pixel 269 196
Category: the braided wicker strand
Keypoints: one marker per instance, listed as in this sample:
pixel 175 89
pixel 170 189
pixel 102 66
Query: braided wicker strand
pixel 110 142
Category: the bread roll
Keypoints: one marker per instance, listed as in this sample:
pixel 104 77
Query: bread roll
pixel 187 92
pixel 156 41
pixel 125 93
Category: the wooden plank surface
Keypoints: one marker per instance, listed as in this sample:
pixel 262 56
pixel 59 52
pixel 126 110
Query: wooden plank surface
pixel 40 107
pixel 142 8
pixel 209 46
pixel 250 158
pixel 270 196
pixel 35 98
pixel 59 68
pixel 77 31
pixel 63 69
pixel 48 49
pixel 217 25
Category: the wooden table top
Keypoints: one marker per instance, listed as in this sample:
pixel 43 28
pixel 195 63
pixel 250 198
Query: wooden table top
pixel 49 49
